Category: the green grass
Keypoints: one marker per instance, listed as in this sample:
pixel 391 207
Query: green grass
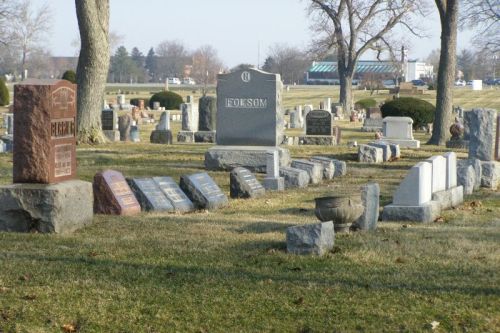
pixel 228 271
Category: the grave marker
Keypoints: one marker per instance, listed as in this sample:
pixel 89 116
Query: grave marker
pixel 203 191
pixel 112 194
pixel 243 184
pixel 319 122
pixel 178 199
pixel 149 195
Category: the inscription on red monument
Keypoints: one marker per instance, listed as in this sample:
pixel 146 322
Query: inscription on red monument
pixel 112 194
pixel 45 114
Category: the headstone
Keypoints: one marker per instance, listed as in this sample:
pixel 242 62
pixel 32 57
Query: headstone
pixel 124 126
pixel 112 195
pixel 370 154
pixel 317 239
pixel 207 113
pixel 328 104
pixel 273 181
pixel 149 195
pixel 490 174
pixel 109 120
pixel 294 177
pixel 134 133
pixel 399 130
pixel 466 177
pixel 386 149
pixel 481 126
pixel 451 170
pixel 328 166
pixel 370 195
pixel 189 117
pixel 438 173
pixel 307 108
pixel 313 169
pixel 477 167
pixel 164 124
pixel 337 133
pixel 8 121
pixel 203 191
pixel 120 99
pixel 374 113
pixel 162 133
pixel 243 184
pixel 319 122
pixel 45 135
pixel 249 108
pixel 416 187
pixel 185 136
pixel 156 106
pixel 174 194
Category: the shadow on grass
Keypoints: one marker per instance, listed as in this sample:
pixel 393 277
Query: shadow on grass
pixel 264 227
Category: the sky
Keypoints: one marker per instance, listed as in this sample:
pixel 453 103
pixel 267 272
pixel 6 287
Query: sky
pixel 236 28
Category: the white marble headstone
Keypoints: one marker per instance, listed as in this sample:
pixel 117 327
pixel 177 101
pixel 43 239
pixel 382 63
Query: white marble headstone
pixel 398 128
pixel 416 188
pixel 451 170
pixel 272 164
pixel 439 174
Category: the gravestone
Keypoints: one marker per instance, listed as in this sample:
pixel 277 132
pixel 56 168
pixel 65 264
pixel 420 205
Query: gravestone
pixel 120 99
pixel 203 191
pixel 141 104
pixel 243 184
pixel 370 154
pixel 109 121
pixel 481 127
pixel 370 196
pixel 174 194
pixel 112 195
pixel 189 117
pixel 313 169
pixel 162 133
pixel 273 181
pixel 318 129
pixel 451 170
pixel 386 149
pixel 294 177
pixel 149 195
pixel 156 106
pixel 317 239
pixel 374 113
pixel 250 121
pixel 399 130
pixel 8 122
pixel 134 132
pixel 207 110
pixel 45 136
pixel 438 173
pixel 124 126
pixel 328 166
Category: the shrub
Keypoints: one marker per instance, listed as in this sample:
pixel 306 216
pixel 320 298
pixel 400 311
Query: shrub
pixel 167 99
pixel 135 101
pixel 431 86
pixel 365 103
pixel 422 112
pixel 4 93
pixel 70 76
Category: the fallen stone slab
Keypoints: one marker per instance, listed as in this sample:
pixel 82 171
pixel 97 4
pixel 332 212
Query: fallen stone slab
pixel 294 177
pixel 370 154
pixel 243 184
pixel 386 150
pixel 314 169
pixel 315 239
pixel 452 197
pixel 490 174
pixel 328 166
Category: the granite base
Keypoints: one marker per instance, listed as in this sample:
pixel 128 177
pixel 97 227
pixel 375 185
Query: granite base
pixel 250 157
pixel 425 213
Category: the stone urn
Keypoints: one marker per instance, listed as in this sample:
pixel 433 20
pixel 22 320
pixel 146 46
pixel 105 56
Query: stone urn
pixel 342 209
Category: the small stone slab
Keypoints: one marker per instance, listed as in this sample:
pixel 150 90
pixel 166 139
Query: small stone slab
pixel 451 170
pixel 395 151
pixel 113 136
pixel 315 239
pixel 274 184
pixel 490 174
pixel 161 137
pixel 416 187
pixel 149 195
pixel 438 173
pixel 253 158
pixel 243 184
pixel 112 195
pixel 386 150
pixel 185 136
pixel 328 166
pixel 57 208
pixel 203 191
pixel 294 177
pixel 317 140
pixel 481 126
pixel 466 178
pixel 424 213
pixel 204 137
pixel 174 194
pixel 452 197
pixel 314 169
pixel 370 154
pixel 370 195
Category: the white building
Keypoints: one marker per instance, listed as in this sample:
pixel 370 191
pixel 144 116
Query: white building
pixel 417 70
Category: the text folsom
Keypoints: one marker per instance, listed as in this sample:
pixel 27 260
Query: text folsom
pixel 246 103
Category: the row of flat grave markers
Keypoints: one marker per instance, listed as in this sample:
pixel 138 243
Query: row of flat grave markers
pixel 115 195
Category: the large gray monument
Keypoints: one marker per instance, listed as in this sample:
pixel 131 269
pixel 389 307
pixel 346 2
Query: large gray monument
pixel 249 121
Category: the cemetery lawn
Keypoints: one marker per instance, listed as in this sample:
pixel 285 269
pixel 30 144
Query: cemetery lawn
pixel 228 270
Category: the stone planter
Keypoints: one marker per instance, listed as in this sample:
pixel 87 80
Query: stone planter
pixel 342 209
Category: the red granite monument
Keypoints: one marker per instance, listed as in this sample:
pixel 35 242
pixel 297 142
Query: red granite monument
pixel 45 136
pixel 112 195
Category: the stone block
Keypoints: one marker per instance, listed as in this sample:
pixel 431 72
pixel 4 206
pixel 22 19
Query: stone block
pixel 370 154
pixel 317 140
pixel 177 198
pixel 294 177
pixel 477 167
pixel 416 187
pixel 57 208
pixel 112 136
pixel 451 170
pixel 490 174
pixel 204 137
pixel 386 150
pixel 207 109
pixel 243 184
pixel 395 151
pixel 452 197
pixel 253 158
pixel 149 195
pixel 370 195
pixel 403 143
pixel 112 194
pixel 424 213
pixel 314 169
pixel 161 137
pixel 274 184
pixel 328 166
pixel 185 137
pixel 203 191
pixel 315 239
pixel 438 173
pixel 340 168
pixel 466 178
pixel 482 133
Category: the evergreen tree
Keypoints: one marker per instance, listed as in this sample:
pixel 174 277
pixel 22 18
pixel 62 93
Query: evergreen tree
pixel 151 64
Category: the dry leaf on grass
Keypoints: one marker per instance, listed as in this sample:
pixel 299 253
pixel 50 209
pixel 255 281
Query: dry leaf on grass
pixel 69 328
pixel 440 220
pixel 299 301
pixel 400 261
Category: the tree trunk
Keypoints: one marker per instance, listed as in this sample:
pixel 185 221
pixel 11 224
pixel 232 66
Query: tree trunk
pixel 446 73
pixel 345 98
pixel 92 70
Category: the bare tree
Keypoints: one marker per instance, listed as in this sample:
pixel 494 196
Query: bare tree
pixel 484 15
pixel 8 10
pixel 29 28
pixel 93 64
pixel 448 14
pixel 290 62
pixel 352 27
pixel 172 57
pixel 206 65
